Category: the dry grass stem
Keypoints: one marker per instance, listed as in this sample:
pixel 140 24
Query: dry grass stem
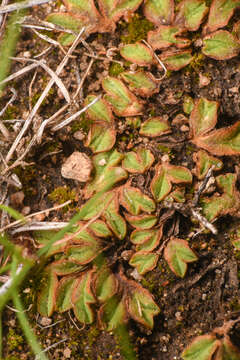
pixel 204 221
pixel 20 161
pixel 203 186
pixel 30 90
pixel 158 60
pixel 76 115
pixel 13 98
pixel 40 225
pixel 48 122
pixel 4 3
pixel 74 323
pixel 50 26
pixel 49 40
pixel 17 311
pixel 3 128
pixel 19 73
pixel 12 121
pixel 83 79
pixel 103 58
pixel 4 288
pixel 42 97
pixel 49 348
pixel 54 208
pixel 4 131
pixel 44 52
pixel 54 76
pixel 21 5
pixel 51 325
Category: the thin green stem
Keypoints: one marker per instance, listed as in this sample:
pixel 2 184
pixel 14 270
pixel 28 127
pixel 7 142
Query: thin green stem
pixel 16 281
pixel 1 337
pixel 79 216
pixel 126 347
pixel 28 332
pixel 8 45
pixel 4 269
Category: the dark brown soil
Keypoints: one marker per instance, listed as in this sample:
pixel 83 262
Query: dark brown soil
pixel 209 294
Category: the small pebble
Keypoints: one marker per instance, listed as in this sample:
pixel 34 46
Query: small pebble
pixel 79 135
pixel 17 198
pixel 26 210
pixel 203 80
pixel 40 217
pixel 135 274
pixel 165 158
pixel 102 162
pixel 78 167
pixel 126 254
pixel 67 352
pixel 178 316
pixel 179 119
pixel 45 321
pixel 184 128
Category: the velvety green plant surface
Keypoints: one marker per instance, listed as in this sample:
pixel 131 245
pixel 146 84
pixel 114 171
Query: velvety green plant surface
pixel 97 265
pixel 178 27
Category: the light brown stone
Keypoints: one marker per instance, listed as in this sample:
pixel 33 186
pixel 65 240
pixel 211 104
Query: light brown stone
pixel 78 167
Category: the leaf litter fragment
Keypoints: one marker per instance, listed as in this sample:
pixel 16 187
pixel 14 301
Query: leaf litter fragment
pixel 78 166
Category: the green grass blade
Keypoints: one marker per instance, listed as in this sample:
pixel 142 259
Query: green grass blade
pixel 8 45
pixel 28 332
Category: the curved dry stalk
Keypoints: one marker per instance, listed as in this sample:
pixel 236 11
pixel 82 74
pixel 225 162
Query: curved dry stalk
pixel 42 97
